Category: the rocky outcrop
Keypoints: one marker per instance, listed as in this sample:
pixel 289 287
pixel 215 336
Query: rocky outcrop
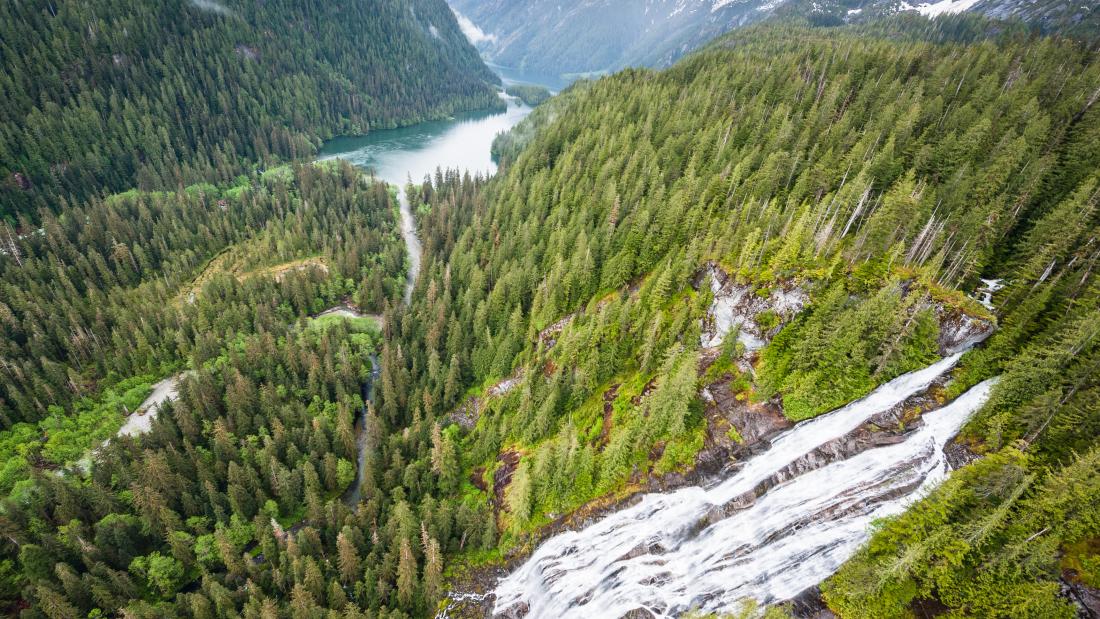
pixel 959 454
pixel 741 307
pixel 756 317
pixel 1085 598
pixel 753 422
pixel 960 330
pixel 886 428
pixel 467 413
pixel 809 605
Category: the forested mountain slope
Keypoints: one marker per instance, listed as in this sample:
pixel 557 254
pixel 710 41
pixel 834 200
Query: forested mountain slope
pixel 879 178
pixel 105 96
pixel 221 281
pixel 562 337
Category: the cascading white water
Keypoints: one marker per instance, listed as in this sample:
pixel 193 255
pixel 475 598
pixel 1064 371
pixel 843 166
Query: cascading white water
pixel 662 554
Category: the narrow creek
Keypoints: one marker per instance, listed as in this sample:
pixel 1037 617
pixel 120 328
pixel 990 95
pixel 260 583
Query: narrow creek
pixel 412 243
pixel 362 436
pixel 394 156
pixel 408 154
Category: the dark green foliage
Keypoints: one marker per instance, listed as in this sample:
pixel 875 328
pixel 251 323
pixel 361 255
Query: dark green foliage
pixel 247 446
pixel 111 95
pixel 876 175
pixel 232 502
pixel 531 95
pixel 986 543
pixel 105 291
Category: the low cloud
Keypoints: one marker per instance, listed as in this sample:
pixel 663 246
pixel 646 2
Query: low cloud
pixel 212 6
pixel 473 33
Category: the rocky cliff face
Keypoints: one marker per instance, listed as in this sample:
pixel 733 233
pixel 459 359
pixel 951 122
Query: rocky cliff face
pixel 755 316
pixel 959 330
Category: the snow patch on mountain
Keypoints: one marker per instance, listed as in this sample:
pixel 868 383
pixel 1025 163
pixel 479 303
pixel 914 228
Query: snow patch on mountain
pixel 763 8
pixel 944 7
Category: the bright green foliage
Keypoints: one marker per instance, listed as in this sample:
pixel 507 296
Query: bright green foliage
pixel 986 542
pixel 163 574
pixel 840 349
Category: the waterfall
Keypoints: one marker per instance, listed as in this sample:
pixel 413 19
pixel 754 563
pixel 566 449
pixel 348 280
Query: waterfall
pixel 668 553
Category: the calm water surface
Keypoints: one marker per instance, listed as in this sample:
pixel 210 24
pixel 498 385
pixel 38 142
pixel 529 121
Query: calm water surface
pixel 396 155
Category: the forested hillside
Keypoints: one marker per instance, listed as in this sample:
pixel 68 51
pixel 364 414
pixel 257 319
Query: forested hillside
pixel 74 293
pixel 101 97
pixel 115 295
pixel 879 177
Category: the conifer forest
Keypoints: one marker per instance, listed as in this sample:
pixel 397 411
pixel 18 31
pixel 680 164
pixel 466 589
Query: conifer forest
pixel 805 323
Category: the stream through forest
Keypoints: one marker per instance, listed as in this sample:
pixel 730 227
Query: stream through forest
pixel 394 156
pixel 398 156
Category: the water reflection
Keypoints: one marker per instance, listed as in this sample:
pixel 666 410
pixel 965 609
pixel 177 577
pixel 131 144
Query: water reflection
pixel 396 155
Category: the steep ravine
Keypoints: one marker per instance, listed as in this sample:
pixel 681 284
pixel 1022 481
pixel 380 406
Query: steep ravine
pixel 362 435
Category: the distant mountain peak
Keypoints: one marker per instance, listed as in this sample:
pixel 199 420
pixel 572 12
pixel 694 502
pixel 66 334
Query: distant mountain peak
pixel 563 37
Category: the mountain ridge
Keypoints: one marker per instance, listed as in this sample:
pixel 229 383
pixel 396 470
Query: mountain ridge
pixel 576 37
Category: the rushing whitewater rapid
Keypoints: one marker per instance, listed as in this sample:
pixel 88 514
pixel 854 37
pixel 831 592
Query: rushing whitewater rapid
pixel 670 553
